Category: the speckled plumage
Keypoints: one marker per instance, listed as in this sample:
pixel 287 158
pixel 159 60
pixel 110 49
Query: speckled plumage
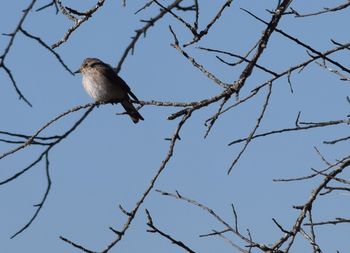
pixel 104 85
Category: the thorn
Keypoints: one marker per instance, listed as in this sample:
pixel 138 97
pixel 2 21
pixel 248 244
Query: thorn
pixel 178 194
pixel 124 211
pixel 116 231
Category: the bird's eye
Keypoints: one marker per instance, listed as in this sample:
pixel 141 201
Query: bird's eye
pixel 93 64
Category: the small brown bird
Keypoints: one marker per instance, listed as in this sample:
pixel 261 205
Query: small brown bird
pixel 102 84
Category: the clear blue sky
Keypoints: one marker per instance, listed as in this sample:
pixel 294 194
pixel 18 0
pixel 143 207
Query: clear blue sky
pixel 109 161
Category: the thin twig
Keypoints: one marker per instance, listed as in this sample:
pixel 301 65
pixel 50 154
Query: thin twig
pixel 196 64
pixel 325 10
pixel 251 135
pixel 318 53
pixel 41 204
pixel 154 229
pixel 143 30
pixel 201 34
pixel 77 24
pixel 31 139
pixel 48 48
pixel 292 129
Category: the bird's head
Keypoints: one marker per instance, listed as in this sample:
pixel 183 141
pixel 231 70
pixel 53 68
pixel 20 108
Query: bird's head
pixel 89 63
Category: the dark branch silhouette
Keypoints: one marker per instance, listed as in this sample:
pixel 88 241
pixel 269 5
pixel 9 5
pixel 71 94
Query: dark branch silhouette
pixel 249 78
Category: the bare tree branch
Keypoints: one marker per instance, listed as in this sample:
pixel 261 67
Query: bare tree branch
pixel 154 229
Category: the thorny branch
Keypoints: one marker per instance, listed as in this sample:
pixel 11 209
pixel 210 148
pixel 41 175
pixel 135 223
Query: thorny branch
pixel 211 212
pixel 325 10
pixel 8 47
pixel 35 135
pixel 293 129
pixel 154 229
pixel 41 204
pixel 249 138
pixel 143 30
pixel 330 222
pixel 48 48
pixel 45 154
pixel 19 28
pixel 132 214
pixel 308 205
pixel 289 235
pixel 77 22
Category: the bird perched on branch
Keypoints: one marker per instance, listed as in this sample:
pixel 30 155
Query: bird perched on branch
pixel 102 84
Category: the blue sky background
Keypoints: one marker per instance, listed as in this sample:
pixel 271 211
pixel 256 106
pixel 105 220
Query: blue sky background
pixel 109 161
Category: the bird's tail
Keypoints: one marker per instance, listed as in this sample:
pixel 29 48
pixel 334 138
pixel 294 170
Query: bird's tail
pixel 131 110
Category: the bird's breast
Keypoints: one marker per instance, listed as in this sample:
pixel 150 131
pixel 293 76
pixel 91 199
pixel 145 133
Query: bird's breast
pixel 101 89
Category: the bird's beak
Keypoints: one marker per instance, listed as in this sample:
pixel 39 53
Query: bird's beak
pixel 77 72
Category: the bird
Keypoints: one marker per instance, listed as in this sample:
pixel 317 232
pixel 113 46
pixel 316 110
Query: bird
pixel 103 84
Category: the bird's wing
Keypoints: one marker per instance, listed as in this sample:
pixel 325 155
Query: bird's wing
pixel 112 76
pixel 126 88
